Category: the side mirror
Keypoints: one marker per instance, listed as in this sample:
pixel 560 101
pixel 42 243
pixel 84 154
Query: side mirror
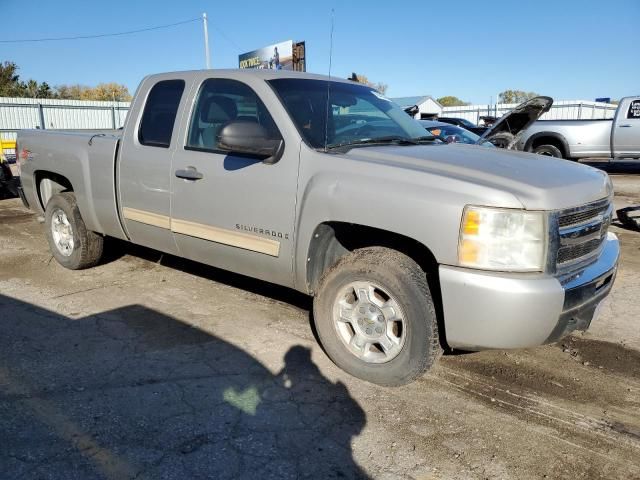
pixel 250 138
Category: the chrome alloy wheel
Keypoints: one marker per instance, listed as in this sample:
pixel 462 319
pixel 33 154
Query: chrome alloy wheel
pixel 62 232
pixel 369 322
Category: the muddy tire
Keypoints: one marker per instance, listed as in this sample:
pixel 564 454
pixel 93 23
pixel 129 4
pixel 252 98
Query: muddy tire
pixel 548 150
pixel 375 317
pixel 72 245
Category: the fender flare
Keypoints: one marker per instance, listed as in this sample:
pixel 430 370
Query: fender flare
pixel 554 135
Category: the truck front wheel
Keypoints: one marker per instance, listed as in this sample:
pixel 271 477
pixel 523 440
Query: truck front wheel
pixel 72 245
pixel 375 317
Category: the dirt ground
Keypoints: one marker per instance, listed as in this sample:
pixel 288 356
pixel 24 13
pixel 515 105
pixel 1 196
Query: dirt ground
pixel 152 367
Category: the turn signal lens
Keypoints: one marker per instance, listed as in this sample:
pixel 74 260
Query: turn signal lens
pixel 471 223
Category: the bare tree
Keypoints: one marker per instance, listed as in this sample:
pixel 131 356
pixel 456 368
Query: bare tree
pixel 451 101
pixel 516 96
pixel 379 86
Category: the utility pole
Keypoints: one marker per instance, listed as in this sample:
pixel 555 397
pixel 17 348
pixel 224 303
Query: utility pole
pixel 206 41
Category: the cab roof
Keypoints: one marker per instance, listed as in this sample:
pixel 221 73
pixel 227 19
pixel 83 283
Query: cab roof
pixel 238 73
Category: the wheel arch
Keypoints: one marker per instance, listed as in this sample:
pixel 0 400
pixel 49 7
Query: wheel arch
pixel 331 240
pixel 48 184
pixel 548 138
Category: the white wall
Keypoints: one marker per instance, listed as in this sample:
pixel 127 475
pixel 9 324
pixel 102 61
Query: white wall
pixel 561 110
pixel 429 107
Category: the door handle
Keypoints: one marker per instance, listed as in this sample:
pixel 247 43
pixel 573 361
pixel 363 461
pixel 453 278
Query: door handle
pixel 189 173
pixel 626 125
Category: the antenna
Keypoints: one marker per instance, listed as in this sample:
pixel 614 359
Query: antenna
pixel 326 120
pixel 207 58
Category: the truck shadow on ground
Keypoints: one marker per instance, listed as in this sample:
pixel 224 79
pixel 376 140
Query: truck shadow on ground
pixel 135 393
pixel 117 249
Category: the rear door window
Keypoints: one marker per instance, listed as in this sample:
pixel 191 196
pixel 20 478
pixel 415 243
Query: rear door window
pixel 634 109
pixel 159 114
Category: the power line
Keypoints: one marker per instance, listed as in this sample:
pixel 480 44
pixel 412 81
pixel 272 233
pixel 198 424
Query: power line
pixel 226 37
pixel 84 37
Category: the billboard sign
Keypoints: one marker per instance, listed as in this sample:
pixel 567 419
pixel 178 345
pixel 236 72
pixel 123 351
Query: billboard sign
pixel 273 57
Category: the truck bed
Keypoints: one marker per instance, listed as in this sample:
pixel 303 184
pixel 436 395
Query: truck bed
pixel 87 159
pixel 584 138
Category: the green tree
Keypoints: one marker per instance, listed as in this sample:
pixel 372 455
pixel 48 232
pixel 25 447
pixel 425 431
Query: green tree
pixel 515 96
pixel 12 86
pixel 45 91
pixel 450 101
pixel 9 79
pixel 31 89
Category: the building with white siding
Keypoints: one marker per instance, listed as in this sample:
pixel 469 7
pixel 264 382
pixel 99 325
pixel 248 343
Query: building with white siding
pixel 428 107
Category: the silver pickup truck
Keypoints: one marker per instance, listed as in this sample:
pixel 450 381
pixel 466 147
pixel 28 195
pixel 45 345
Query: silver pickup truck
pixel 616 138
pixel 407 244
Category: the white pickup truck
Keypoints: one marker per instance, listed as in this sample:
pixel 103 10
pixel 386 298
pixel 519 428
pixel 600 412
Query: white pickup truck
pixel 615 138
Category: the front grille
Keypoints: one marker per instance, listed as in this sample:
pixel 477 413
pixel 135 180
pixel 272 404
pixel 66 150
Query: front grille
pixel 581 233
pixel 578 217
pixel 566 254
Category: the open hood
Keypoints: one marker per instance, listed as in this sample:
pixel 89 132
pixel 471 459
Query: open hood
pixel 507 130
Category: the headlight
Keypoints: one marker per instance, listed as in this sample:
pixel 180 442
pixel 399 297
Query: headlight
pixel 502 239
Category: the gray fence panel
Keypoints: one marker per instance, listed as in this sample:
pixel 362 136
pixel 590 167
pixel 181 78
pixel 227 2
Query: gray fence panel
pixel 21 113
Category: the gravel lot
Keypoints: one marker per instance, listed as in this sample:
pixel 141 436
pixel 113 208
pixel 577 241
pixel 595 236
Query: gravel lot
pixel 152 367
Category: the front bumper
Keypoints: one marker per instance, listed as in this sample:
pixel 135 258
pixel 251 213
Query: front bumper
pixel 485 310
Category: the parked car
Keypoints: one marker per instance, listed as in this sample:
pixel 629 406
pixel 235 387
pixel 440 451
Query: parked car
pixel 452 133
pixel 615 138
pixel 507 131
pixel 504 133
pixel 464 123
pixel 406 244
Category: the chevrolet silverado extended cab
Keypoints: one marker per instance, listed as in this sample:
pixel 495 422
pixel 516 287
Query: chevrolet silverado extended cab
pixel 407 244
pixel 615 138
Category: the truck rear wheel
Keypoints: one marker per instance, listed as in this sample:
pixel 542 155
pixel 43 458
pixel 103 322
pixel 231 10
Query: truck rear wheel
pixel 72 245
pixel 548 150
pixel 375 317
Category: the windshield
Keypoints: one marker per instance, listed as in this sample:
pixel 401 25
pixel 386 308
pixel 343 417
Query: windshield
pixel 466 123
pixel 462 122
pixel 357 114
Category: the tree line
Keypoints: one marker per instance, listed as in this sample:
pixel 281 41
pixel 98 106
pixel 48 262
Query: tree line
pixel 508 96
pixel 11 85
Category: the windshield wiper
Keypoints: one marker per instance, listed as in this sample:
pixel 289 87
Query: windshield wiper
pixel 388 140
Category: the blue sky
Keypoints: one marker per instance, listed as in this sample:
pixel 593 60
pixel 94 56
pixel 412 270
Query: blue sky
pixel 568 49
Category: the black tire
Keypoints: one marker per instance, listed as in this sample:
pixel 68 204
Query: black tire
pixel 7 181
pixel 403 280
pixel 87 245
pixel 548 150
